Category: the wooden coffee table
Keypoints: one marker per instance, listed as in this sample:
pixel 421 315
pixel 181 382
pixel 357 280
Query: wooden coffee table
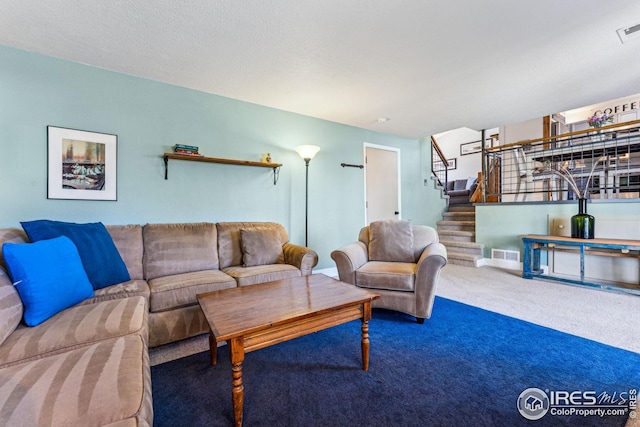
pixel 253 317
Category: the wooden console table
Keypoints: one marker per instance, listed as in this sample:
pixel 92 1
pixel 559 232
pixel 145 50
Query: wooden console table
pixel 534 243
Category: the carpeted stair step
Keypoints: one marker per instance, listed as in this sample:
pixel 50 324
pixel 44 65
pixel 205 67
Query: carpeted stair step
pixel 463 259
pixel 459 216
pixel 456 235
pixel 456 225
pixel 461 208
pixel 469 248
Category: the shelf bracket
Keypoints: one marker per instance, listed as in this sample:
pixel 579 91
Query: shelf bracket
pixel 166 167
pixel 351 166
pixel 276 174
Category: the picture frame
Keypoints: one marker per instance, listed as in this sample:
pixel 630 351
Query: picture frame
pixel 439 166
pixel 453 164
pixel 81 165
pixel 470 148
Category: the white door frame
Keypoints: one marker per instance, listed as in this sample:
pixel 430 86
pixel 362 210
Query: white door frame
pixel 366 145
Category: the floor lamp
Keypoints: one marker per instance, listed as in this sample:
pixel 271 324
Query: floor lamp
pixel 307 152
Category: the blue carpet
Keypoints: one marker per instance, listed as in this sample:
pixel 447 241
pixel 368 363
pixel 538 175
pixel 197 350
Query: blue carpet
pixel 464 367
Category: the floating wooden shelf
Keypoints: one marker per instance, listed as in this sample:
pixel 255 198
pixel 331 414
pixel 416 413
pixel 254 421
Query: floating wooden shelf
pixel 191 158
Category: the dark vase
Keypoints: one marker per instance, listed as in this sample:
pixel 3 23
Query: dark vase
pixel 582 224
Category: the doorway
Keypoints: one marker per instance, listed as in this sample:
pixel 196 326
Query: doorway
pixel 382 183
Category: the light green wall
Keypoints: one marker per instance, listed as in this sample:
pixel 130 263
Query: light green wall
pixel 498 226
pixel 149 117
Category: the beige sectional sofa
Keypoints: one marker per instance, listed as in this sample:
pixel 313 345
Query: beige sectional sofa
pixel 88 365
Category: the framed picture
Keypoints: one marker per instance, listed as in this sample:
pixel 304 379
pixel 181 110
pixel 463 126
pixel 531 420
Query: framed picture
pixel 439 166
pixel 81 164
pixel 453 163
pixel 470 148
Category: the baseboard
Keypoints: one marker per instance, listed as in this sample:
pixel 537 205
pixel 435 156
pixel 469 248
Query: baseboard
pixel 331 272
pixel 507 265
pixel 499 263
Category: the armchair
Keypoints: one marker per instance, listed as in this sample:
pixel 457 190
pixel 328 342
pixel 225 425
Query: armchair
pixel 399 261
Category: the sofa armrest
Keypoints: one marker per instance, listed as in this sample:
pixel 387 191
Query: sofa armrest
pixel 348 259
pixel 433 258
pixel 301 257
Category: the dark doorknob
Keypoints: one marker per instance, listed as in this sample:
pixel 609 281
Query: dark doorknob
pixel 397 213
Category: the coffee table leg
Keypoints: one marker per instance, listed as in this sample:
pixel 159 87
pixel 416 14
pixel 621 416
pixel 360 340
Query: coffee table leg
pixel 366 316
pixel 236 348
pixel 213 348
pixel 365 345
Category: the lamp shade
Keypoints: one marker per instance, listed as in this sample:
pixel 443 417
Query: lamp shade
pixel 307 152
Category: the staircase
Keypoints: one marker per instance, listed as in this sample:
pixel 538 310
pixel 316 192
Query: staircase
pixel 457 233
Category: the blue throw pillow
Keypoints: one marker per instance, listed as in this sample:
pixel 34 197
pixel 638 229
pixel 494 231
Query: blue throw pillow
pixel 99 255
pixel 48 276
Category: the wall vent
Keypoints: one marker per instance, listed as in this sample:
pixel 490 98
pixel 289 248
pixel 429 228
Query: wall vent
pixel 503 254
pixel 629 33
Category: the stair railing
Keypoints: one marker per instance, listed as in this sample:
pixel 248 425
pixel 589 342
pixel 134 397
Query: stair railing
pixel 605 160
pixel 439 164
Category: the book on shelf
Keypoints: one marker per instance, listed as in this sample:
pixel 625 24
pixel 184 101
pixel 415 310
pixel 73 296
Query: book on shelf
pixel 187 152
pixel 186 147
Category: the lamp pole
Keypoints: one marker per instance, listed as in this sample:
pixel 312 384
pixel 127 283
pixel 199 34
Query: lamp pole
pixel 307 152
pixel 306 203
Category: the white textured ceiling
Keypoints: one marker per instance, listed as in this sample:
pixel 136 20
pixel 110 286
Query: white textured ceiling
pixel 428 65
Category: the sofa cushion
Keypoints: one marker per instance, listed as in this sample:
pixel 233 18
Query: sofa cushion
pixel 173 325
pixel 11 235
pixel 229 241
pixel 132 288
pixel 262 273
pixel 460 184
pixel 100 257
pixel 77 326
pixel 171 249
pixel 180 290
pixel 423 236
pixel 261 246
pixel 394 276
pixel 470 182
pixel 48 275
pixel 391 240
pixel 128 240
pixel 10 307
pixel 92 385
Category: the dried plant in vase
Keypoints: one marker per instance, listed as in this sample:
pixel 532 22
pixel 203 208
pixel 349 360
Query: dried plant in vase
pixel 582 224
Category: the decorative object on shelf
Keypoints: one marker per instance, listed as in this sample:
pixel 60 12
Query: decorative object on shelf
pixel 266 158
pixel 597 121
pixel 307 152
pixel 81 164
pixel 189 150
pixel 178 156
pixel 582 224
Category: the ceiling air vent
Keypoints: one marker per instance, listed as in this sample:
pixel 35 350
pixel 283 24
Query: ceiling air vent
pixel 629 33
